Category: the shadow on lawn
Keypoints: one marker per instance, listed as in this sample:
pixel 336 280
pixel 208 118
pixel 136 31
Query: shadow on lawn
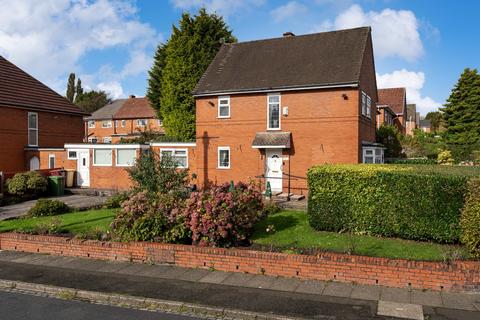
pixel 280 223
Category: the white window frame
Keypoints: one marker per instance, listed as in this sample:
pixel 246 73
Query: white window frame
pixel 51 156
pixel 173 150
pixel 123 123
pixel 107 140
pixel 142 125
pixel 160 122
pixel 369 107
pixel 229 158
pixel 125 165
pixel 90 139
pixel 227 98
pixel 72 158
pixel 279 111
pixel 32 129
pixel 364 104
pixel 106 123
pixel 102 165
pixel 376 158
pixel 91 124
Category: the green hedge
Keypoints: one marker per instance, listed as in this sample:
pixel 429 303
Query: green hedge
pixel 418 202
pixel 470 220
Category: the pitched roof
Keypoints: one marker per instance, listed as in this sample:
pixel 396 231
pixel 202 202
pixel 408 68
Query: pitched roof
pixel 393 97
pixel 272 139
pixel 320 59
pixel 19 89
pixel 425 123
pixel 131 108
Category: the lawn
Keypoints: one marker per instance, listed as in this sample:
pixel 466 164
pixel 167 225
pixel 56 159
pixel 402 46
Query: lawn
pixel 293 232
pixel 80 222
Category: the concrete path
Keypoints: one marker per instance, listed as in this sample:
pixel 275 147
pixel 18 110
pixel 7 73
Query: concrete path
pixel 76 201
pixel 258 293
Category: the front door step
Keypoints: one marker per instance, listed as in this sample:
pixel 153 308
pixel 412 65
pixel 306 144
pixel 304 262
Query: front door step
pixel 294 197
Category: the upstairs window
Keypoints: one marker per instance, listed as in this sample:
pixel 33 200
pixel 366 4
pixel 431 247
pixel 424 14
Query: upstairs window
pixel 224 107
pixel 273 112
pixel 91 124
pixel 141 122
pixel 106 124
pixel 366 105
pixel 124 123
pixel 32 129
pixel 369 107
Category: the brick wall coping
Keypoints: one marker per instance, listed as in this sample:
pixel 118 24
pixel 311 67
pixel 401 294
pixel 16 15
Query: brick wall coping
pixel 461 275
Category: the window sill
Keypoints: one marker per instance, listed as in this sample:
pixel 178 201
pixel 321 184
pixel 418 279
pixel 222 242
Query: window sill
pixel 218 117
pixel 274 129
pixel 223 168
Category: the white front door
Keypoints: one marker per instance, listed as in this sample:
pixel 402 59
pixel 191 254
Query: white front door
pixel 34 163
pixel 274 169
pixel 83 168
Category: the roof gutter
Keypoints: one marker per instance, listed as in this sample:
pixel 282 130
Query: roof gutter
pixel 314 87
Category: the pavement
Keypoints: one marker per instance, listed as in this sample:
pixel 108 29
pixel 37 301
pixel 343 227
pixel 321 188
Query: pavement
pixel 16 306
pixel 287 297
pixel 76 201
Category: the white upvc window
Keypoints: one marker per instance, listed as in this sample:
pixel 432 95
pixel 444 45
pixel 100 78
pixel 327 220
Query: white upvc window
pixel 273 111
pixel 124 123
pixel 72 155
pixel 141 122
pixel 106 124
pixel 180 156
pixel 51 161
pixel 91 124
pixel 126 157
pixel 224 107
pixel 224 157
pixel 92 140
pixel 160 122
pixel 102 157
pixel 369 107
pixel 373 155
pixel 107 139
pixel 364 103
pixel 33 129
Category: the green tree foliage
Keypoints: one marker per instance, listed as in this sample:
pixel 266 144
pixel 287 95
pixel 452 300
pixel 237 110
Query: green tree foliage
pixel 462 110
pixel 389 136
pixel 78 90
pixel 92 100
pixel 185 57
pixel 155 77
pixel 71 87
pixel 436 119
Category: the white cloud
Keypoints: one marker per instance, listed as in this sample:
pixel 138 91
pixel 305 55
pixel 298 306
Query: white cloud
pixel 413 82
pixel 288 10
pixel 113 89
pixel 49 38
pixel 395 32
pixel 222 7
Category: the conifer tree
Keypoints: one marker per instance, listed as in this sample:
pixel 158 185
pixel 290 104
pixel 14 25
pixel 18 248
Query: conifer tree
pixel 155 77
pixel 71 87
pixel 78 90
pixel 462 110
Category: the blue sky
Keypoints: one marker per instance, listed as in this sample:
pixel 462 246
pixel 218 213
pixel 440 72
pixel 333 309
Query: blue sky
pixel 423 45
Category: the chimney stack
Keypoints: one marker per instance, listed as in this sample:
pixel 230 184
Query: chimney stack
pixel 131 96
pixel 288 34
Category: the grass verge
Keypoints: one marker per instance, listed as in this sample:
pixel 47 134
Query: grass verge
pixel 293 232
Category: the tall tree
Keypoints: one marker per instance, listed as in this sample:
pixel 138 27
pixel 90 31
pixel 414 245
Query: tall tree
pixel 71 87
pixel 462 110
pixel 78 90
pixel 189 51
pixel 155 77
pixel 93 100
pixel 436 119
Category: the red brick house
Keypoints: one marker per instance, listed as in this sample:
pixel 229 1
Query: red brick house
pixel 34 120
pixel 123 118
pixel 273 108
pixel 396 100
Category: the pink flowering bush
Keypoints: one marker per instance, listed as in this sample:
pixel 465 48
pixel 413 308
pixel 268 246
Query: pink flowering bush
pixel 223 217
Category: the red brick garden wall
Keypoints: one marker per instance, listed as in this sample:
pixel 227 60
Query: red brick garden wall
pixel 457 276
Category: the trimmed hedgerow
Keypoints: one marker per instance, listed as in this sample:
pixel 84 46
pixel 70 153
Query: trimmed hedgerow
pixel 412 202
pixel 470 220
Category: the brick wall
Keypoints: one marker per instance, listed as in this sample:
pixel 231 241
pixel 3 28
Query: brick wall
pixel 457 276
pixel 54 130
pixel 130 128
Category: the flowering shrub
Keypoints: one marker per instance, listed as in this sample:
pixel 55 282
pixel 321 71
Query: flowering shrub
pixel 219 217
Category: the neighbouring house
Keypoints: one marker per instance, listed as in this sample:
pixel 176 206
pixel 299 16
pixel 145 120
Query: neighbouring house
pixel 411 120
pixel 385 115
pixel 425 125
pixel 396 99
pixel 271 109
pixel 123 118
pixel 35 122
